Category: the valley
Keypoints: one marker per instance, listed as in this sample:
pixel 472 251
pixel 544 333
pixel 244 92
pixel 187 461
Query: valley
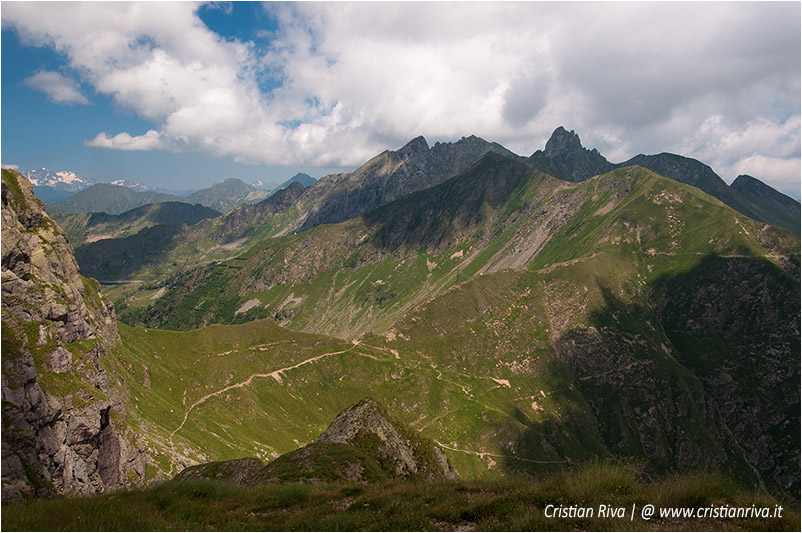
pixel 527 325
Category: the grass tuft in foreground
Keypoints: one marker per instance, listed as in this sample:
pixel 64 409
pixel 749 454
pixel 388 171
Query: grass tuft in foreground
pixel 509 504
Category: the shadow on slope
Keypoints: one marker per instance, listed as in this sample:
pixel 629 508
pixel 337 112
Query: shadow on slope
pixel 734 322
pixel 438 217
pixel 703 374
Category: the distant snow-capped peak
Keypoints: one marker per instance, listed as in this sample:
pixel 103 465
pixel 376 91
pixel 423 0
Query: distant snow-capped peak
pixel 131 184
pixel 64 179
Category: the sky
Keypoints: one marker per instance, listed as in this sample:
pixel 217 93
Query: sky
pixel 180 94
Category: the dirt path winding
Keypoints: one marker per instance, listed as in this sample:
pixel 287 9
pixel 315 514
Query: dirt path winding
pixel 276 374
pixel 482 455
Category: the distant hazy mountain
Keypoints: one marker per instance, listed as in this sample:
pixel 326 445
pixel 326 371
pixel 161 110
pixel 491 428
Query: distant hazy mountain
pixel 63 180
pixel 114 199
pixel 227 195
pixel 111 199
pixel 259 184
pixel 123 251
pixel 304 179
pixel 50 186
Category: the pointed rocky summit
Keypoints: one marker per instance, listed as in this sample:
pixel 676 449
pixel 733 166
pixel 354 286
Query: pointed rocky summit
pixel 565 158
pixel 363 443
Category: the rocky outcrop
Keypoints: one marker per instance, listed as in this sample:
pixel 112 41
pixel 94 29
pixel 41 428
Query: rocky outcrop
pixel 362 444
pixel 367 426
pixel 63 424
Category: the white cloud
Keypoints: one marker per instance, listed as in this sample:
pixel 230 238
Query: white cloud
pixel 60 89
pixel 766 149
pixel 12 167
pixel 716 81
pixel 123 141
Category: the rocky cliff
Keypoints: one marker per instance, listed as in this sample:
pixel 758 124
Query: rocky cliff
pixel 63 424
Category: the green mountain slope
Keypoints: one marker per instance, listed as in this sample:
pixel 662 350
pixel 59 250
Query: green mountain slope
pixel 367 272
pixel 343 279
pixel 364 443
pixel 111 199
pixel 522 323
pixel 85 228
pixel 761 207
pixel 565 158
pixel 156 251
pixel 525 323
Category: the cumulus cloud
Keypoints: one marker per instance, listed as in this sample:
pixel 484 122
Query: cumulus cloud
pixel 760 148
pixel 123 141
pixel 716 81
pixel 60 89
pixel 12 167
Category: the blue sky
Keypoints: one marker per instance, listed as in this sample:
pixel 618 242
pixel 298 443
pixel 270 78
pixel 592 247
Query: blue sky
pixel 181 95
pixel 40 132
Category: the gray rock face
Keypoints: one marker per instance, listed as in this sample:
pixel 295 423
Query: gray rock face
pixel 58 430
pixel 565 158
pixel 366 425
pixel 389 176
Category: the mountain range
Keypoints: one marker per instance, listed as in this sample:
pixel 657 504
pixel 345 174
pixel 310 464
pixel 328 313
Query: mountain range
pixel 117 199
pixel 55 187
pixel 523 314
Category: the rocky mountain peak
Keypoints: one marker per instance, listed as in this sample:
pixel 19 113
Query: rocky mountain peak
pixel 565 158
pixel 368 426
pixel 415 146
pixel 562 142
